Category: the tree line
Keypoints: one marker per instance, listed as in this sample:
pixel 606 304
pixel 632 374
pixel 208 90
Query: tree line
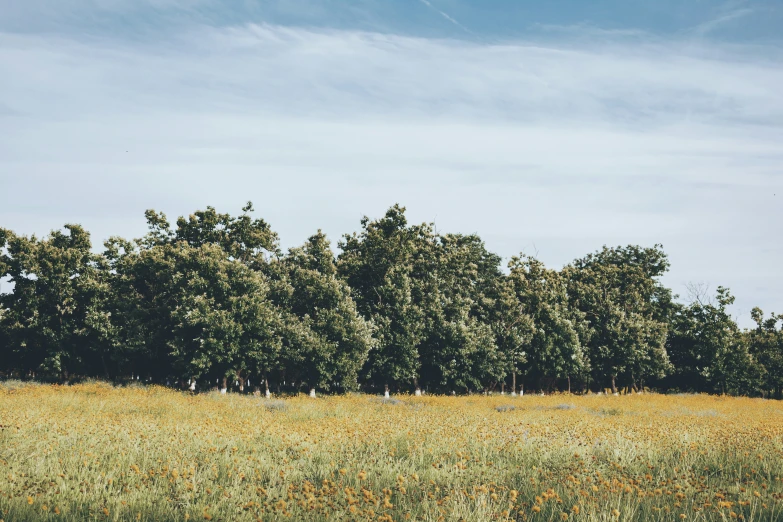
pixel 213 301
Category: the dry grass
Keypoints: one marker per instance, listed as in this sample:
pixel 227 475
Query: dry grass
pixel 94 452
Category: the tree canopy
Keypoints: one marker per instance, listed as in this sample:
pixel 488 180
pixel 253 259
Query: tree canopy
pixel 213 301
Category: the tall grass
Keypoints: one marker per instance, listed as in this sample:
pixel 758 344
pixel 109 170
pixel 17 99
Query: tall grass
pixel 94 452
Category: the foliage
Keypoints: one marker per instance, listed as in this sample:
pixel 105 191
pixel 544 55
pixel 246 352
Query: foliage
pixel 329 340
pixel 766 345
pixel 708 350
pixel 213 300
pixel 386 267
pixel 623 301
pixel 54 320
pixel 460 347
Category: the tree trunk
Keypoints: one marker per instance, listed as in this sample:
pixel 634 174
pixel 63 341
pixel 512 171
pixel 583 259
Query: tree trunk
pixel 514 384
pixel 614 385
pixel 241 380
pixel 266 385
pixel 386 391
pixel 105 368
pixel 224 389
pixel 312 393
pixel 416 385
pixel 503 388
pixel 569 384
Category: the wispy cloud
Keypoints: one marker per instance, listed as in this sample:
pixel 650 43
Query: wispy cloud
pixel 446 16
pixel 565 146
pixel 353 74
pixel 719 21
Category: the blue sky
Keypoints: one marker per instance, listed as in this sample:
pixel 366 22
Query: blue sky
pixel 488 20
pixel 546 127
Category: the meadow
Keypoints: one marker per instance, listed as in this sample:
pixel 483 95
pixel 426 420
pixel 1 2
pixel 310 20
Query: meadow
pixel 98 452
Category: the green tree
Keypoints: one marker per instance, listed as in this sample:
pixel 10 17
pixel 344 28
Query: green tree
pixel 242 238
pixel 626 307
pixel 214 298
pixel 54 319
pixel 198 313
pixel 708 351
pixel 384 265
pixel 766 346
pixel 553 349
pixel 245 239
pixel 7 356
pixel 223 322
pixel 327 340
pixel 460 348
pixel 188 300
pixel 298 320
pixel 141 306
pixel 513 329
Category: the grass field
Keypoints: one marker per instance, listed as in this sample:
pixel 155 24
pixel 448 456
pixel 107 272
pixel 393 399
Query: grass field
pixel 95 452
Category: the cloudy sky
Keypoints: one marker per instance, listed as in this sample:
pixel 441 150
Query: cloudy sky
pixel 551 128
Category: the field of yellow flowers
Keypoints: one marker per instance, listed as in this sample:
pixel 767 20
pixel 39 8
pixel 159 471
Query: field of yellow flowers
pixel 97 452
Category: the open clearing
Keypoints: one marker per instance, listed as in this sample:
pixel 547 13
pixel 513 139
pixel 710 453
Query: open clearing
pixel 95 452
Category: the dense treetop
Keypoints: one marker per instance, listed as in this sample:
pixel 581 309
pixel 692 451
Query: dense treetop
pixel 213 301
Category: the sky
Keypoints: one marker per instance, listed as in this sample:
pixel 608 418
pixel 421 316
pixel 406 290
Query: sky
pixel 550 128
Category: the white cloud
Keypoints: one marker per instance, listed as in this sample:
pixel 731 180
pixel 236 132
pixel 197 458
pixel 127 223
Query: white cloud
pixel 565 148
pixel 446 16
pixel 721 20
